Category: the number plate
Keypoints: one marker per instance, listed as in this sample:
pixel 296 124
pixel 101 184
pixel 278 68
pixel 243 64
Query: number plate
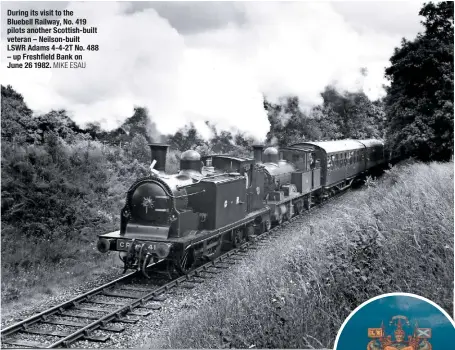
pixel 124 245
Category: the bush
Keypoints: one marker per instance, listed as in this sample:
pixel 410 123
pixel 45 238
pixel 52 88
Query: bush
pixel 56 198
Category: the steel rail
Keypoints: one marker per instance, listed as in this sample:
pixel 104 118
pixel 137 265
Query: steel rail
pixel 22 325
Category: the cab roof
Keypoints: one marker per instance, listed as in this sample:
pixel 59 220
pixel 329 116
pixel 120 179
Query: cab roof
pixel 225 156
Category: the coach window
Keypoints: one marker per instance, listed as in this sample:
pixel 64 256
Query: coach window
pixel 295 158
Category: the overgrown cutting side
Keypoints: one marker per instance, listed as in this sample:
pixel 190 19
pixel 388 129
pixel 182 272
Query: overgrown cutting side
pixel 394 236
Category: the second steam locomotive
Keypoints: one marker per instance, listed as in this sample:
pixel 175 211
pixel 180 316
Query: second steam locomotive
pixel 218 202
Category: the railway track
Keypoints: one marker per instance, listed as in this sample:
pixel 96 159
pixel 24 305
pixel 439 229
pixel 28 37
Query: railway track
pixel 134 301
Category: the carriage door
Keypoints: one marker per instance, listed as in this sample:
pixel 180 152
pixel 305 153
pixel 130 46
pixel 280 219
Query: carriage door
pixel 248 173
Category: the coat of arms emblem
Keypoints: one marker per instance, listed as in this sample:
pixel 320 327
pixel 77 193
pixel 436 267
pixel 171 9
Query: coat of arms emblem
pixel 148 203
pixel 418 340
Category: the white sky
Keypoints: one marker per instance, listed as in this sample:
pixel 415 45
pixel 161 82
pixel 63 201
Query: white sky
pixel 214 60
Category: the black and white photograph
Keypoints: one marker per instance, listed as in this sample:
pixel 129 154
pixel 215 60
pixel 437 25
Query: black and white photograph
pixel 224 174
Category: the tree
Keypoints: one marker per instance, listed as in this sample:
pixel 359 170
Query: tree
pixel 342 115
pixel 221 142
pixel 138 124
pixel 58 122
pixel 186 138
pixel 139 149
pixel 17 122
pixel 419 101
pixel 352 114
pixel 289 124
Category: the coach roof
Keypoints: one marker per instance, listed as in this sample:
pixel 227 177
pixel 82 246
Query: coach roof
pixel 372 142
pixel 334 146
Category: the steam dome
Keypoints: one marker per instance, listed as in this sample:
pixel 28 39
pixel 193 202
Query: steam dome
pixel 270 155
pixel 190 161
pixel 270 150
pixel 190 155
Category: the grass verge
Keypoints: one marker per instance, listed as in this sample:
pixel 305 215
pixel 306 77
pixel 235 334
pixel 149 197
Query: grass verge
pixel 396 235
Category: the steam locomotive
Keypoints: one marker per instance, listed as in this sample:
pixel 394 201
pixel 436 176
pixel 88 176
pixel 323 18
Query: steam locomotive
pixel 218 202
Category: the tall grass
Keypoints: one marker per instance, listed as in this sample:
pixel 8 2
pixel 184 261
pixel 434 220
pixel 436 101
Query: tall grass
pixel 396 235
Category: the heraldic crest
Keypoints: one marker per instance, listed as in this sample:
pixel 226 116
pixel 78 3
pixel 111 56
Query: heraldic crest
pixel 419 340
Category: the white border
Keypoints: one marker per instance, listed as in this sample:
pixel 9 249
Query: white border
pixel 384 296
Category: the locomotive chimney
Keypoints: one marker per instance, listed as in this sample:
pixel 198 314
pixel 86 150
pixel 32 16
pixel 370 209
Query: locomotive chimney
pixel 257 151
pixel 159 151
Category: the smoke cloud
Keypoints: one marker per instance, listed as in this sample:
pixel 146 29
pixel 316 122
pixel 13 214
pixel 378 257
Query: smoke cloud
pixel 219 74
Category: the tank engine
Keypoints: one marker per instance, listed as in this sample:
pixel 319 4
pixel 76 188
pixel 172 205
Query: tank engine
pixel 188 216
pixel 288 180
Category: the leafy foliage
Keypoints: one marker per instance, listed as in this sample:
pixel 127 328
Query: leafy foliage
pixel 342 115
pixel 225 142
pixel 17 124
pixel 419 101
pixel 186 138
pixel 354 115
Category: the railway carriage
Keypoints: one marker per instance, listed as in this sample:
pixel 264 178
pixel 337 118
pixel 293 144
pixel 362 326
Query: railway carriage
pixel 374 153
pixel 343 161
